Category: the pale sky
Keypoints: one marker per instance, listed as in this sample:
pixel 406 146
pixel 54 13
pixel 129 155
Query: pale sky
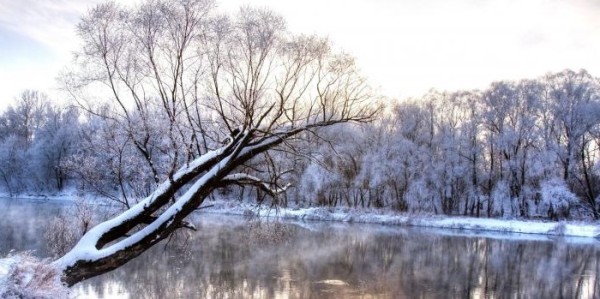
pixel 404 47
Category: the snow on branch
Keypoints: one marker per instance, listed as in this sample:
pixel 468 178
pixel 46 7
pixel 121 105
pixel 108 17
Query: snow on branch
pixel 246 179
pixel 88 245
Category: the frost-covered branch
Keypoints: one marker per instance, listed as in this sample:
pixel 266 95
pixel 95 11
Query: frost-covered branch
pixel 246 179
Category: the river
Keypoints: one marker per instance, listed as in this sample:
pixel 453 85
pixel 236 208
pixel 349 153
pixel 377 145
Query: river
pixel 233 257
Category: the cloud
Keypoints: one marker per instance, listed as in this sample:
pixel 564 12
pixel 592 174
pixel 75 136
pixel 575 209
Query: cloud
pixel 51 22
pixel 37 39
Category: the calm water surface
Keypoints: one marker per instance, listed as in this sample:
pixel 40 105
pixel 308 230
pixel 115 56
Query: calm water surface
pixel 231 257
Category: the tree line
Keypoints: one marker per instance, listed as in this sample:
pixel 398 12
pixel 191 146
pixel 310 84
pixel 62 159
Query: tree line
pixel 517 149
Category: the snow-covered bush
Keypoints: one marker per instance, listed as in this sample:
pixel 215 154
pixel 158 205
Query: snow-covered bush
pixel 66 229
pixel 26 277
pixel 500 200
pixel 312 180
pixel 12 165
pixel 421 199
pixel 557 199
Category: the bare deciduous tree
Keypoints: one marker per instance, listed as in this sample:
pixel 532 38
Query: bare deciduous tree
pixel 209 92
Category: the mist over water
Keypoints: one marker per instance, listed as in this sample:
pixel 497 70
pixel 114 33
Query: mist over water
pixel 231 257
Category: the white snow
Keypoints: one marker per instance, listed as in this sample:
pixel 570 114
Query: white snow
pixel 563 228
pixel 5 265
pixel 86 249
pixel 24 276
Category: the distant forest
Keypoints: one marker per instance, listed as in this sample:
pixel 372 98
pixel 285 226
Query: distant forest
pixel 525 149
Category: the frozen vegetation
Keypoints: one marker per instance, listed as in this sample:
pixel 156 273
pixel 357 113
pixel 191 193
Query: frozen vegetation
pixel 24 276
pixel 523 149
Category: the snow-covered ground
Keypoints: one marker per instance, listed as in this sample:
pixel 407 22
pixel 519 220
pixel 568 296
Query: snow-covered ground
pixel 563 228
pixel 68 195
pixel 24 276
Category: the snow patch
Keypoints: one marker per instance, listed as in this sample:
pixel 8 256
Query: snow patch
pixel 24 276
pixel 563 228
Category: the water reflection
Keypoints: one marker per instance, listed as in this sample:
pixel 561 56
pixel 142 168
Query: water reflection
pixel 230 257
pixel 23 223
pixel 357 261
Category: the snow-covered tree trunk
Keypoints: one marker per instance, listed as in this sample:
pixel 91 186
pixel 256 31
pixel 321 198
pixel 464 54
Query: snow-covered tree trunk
pixel 199 95
pixel 112 243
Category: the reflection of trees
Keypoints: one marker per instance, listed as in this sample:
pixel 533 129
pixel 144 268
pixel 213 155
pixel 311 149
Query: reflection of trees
pixel 226 261
pixel 407 263
pixel 472 267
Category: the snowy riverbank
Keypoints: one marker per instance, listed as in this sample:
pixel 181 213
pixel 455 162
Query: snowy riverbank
pixel 562 228
pixel 382 217
pixel 25 276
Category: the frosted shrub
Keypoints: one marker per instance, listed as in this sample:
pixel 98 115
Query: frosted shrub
pixel 61 235
pixel 528 197
pixel 420 198
pixel 311 181
pixel 557 199
pixel 500 200
pixel 26 277
pixel 66 229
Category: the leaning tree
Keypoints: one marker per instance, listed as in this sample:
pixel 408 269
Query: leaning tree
pixel 200 95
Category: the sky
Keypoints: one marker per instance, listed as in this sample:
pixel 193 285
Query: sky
pixel 404 47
